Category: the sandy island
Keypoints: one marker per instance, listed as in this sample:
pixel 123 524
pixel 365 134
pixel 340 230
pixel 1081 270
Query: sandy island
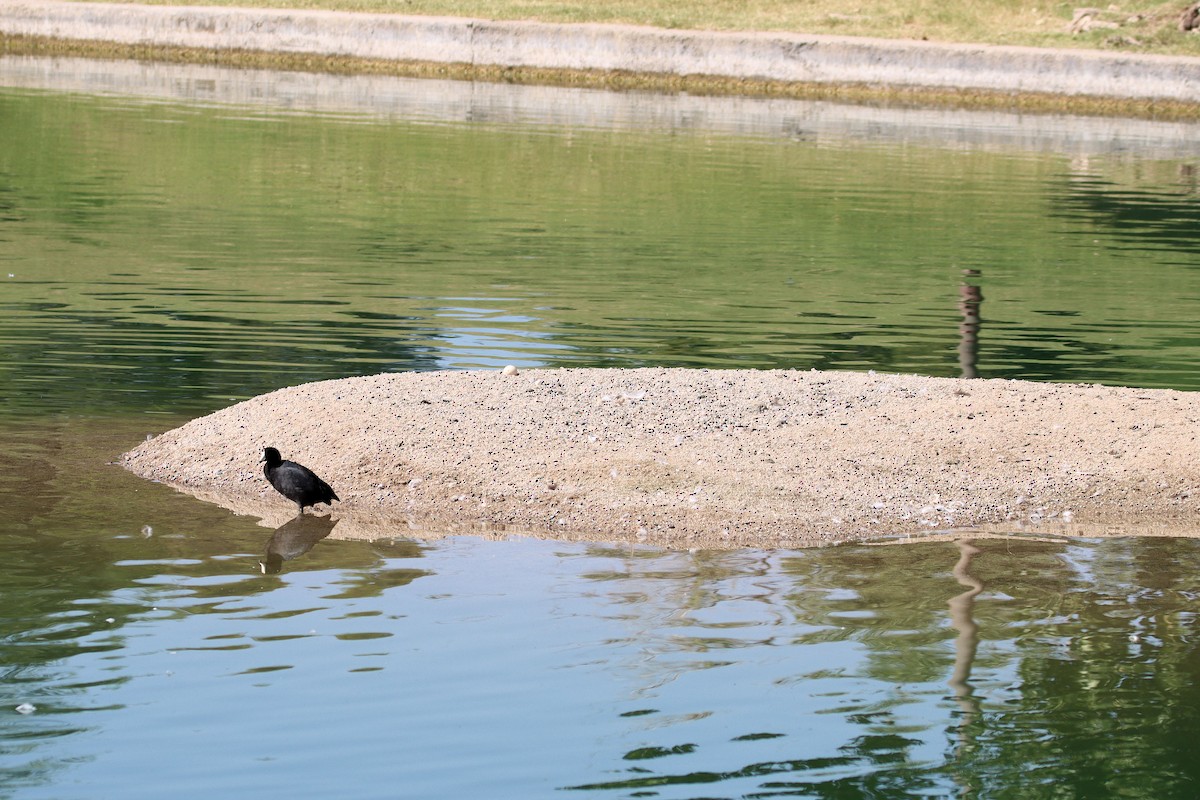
pixel 701 458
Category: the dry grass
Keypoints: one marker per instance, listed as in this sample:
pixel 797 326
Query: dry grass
pixel 1133 26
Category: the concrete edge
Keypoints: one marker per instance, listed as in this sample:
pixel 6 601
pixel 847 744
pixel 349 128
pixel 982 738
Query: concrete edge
pixel 784 57
pixel 384 97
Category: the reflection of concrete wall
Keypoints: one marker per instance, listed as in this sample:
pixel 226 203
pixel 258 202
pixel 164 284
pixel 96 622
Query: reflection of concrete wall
pixel 506 104
pixel 775 56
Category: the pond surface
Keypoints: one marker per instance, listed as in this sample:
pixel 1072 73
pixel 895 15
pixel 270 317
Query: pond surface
pixel 173 239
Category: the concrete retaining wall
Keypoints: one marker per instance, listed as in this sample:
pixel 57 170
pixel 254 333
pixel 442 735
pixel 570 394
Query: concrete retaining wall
pixel 770 56
pixel 376 97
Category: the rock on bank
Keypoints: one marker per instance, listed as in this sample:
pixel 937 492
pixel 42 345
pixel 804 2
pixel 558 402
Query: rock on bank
pixel 698 457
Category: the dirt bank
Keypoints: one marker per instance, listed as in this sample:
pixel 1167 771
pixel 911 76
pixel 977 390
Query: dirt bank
pixel 700 458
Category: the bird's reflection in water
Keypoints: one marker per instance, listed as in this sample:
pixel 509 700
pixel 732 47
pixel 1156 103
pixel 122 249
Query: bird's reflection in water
pixel 292 540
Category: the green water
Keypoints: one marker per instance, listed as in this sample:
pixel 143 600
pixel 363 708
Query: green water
pixel 171 257
pixel 161 257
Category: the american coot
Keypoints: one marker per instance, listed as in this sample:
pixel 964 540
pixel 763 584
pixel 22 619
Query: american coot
pixel 296 482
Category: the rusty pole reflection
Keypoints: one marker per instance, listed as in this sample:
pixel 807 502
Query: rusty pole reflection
pixel 962 608
pixel 970 297
pixel 962 619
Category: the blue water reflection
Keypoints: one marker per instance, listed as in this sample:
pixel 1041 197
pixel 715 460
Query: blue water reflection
pixel 523 669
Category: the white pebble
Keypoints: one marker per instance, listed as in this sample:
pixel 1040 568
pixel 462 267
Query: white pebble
pixel 510 370
pixel 26 708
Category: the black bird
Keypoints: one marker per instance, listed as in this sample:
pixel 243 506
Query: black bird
pixel 295 481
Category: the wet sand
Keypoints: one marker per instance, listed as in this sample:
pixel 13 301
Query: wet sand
pixel 702 458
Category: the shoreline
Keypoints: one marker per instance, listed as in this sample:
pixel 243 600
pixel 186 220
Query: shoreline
pixel 379 97
pixel 629 56
pixel 702 458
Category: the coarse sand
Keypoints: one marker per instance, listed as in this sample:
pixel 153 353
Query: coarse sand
pixel 702 458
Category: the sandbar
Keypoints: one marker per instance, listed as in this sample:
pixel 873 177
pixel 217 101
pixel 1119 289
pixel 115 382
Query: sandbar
pixel 696 458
